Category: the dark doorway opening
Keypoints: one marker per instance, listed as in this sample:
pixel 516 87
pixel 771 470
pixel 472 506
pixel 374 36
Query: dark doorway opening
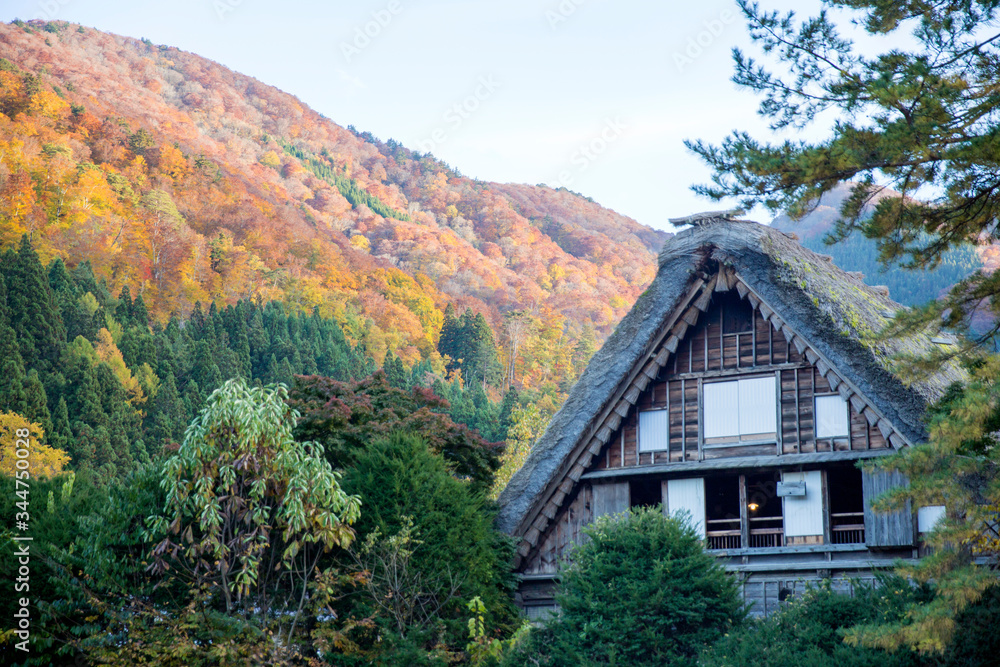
pixel 722 512
pixel 645 493
pixel 764 513
pixel 847 505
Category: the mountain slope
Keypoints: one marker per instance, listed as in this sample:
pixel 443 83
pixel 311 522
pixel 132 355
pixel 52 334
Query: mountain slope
pixel 189 182
pixel 857 253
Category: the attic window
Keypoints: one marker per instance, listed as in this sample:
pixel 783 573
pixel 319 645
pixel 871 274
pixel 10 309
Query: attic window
pixel 832 419
pixel 740 410
pixel 653 431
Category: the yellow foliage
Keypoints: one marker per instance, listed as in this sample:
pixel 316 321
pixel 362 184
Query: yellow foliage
pixel 527 425
pixel 270 159
pixel 361 243
pixel 172 162
pixel 48 104
pixel 43 461
pixel 109 353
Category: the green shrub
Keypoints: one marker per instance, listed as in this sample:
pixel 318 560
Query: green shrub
pixel 427 546
pixel 809 630
pixel 640 591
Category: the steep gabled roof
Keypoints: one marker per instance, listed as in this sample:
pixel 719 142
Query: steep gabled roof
pixel 831 316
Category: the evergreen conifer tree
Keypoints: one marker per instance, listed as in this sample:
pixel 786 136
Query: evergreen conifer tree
pixel 33 312
pixel 37 405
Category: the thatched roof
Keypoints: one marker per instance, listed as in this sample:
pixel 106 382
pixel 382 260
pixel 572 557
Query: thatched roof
pixel 833 311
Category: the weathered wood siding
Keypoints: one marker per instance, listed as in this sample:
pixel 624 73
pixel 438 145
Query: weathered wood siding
pixel 610 498
pixel 708 353
pixel 562 533
pixel 892 529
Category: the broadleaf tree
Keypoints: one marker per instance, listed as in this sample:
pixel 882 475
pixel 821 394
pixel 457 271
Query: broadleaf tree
pixel 249 511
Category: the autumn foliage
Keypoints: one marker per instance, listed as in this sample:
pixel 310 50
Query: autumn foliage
pixel 188 182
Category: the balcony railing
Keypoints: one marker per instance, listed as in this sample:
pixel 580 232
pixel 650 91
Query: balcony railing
pixel 847 528
pixel 766 531
pixel 723 534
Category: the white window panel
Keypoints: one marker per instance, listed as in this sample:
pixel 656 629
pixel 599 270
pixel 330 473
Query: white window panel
pixel 804 514
pixel 832 420
pixel 721 409
pixel 688 495
pixel 927 517
pixel 757 406
pixel 653 431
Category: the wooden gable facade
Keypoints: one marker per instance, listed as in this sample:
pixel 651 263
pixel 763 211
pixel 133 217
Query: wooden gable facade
pixel 733 416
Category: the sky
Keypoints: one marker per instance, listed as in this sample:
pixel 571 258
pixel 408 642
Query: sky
pixel 593 95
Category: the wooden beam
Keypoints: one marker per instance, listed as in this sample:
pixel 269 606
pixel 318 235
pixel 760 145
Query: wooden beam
pixel 770 461
pixel 833 379
pixel 799 344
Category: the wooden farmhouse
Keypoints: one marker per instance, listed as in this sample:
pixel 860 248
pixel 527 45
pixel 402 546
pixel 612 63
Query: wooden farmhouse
pixel 742 388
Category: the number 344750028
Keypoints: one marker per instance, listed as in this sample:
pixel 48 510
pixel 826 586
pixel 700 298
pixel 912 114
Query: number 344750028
pixel 22 472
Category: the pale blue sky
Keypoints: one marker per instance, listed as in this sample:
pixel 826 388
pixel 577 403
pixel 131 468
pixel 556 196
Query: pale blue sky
pixel 535 81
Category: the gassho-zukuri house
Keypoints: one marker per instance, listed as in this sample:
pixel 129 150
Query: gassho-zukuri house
pixel 743 387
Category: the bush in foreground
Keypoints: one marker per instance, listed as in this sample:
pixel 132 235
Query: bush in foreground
pixel 640 591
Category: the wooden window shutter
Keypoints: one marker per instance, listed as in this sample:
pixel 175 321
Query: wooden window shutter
pixel 757 406
pixel 804 514
pixel 721 409
pixel 610 498
pixel 832 419
pixel 894 529
pixel 688 495
pixel 652 430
